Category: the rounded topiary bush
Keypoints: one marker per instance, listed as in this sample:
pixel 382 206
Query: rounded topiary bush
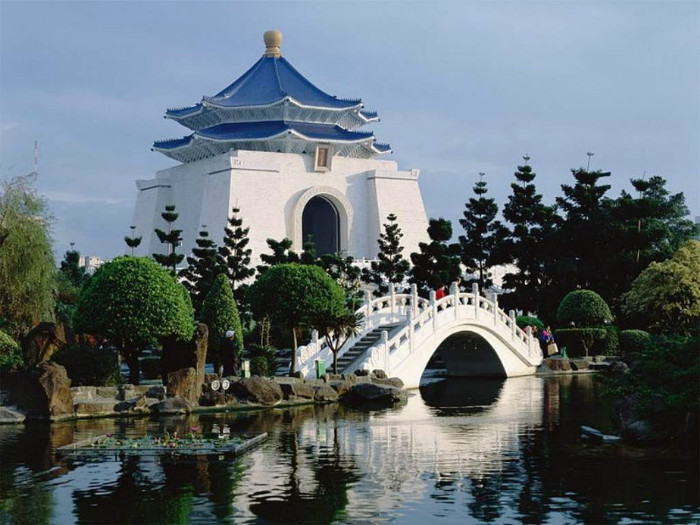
pixel 632 341
pixel 10 353
pixel 524 321
pixel 582 342
pixel 88 366
pixel 583 308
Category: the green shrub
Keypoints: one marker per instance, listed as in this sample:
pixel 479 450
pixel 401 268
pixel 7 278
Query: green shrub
pixel 611 344
pixel 583 309
pixel 581 342
pixel 220 314
pixel 150 367
pixel 258 366
pixel 266 353
pixel 10 353
pixel 525 320
pixel 632 341
pixel 88 366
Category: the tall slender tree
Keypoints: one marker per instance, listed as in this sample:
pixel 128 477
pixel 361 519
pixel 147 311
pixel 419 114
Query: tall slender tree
pixel 171 238
pixel 202 268
pixel 390 267
pixel 234 255
pixel 525 244
pixel 133 241
pixel 344 272
pixel 482 236
pixel 70 267
pixel 437 262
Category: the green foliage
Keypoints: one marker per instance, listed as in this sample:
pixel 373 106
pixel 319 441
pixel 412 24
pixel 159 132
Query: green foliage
pixel 133 241
pixel 437 262
pixel 70 267
pixel 665 298
pixel 171 238
pixel 343 271
pixel 633 341
pixel 390 267
pixel 525 243
pixel 263 360
pixel 583 308
pixel 668 369
pixel 134 302
pixel 88 366
pixel 583 342
pixel 293 294
pixel 526 320
pixel 282 253
pixel 611 344
pixel 10 353
pixel 220 314
pixel 483 234
pixel 26 261
pixel 234 255
pixel 202 268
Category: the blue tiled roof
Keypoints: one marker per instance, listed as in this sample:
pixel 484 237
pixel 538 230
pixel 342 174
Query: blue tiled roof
pixel 241 131
pixel 183 112
pixel 271 79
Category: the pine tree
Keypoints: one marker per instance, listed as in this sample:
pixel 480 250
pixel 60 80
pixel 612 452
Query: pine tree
pixel 343 271
pixel 70 267
pixel 437 263
pixel 526 243
pixel 202 268
pixel 172 238
pixel 390 267
pixel 133 241
pixel 483 234
pixel 234 255
pixel 582 241
pixel 282 253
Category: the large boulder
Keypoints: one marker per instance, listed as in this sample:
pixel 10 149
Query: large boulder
pixel 42 341
pixel 643 427
pixel 372 395
pixel 172 406
pixel 258 390
pixel 183 383
pixel 297 390
pixel 179 355
pixel 325 394
pixel 42 392
pixel 391 381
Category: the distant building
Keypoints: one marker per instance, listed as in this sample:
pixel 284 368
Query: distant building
pixel 90 263
pixel 291 158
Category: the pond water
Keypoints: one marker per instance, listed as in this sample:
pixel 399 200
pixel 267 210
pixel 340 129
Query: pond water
pixel 467 451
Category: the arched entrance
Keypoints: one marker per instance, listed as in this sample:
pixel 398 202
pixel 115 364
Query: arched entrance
pixel 320 222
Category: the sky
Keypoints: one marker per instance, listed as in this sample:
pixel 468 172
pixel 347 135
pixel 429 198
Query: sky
pixel 460 87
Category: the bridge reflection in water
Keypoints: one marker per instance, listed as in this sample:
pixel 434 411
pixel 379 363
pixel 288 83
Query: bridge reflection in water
pixel 455 429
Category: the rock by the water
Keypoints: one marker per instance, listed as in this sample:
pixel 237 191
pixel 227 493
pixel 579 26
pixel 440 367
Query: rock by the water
pixel 379 374
pixel 297 390
pixel 183 383
pixel 373 395
pixel 635 427
pixel 361 373
pixel 391 381
pixel 10 414
pixel 42 341
pixel 325 394
pixel 172 405
pixel 558 364
pixel 578 364
pixel 258 390
pixel 42 392
pixel 618 367
pixel 340 386
pixel 178 355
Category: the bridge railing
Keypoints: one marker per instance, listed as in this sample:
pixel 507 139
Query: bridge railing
pixel 422 318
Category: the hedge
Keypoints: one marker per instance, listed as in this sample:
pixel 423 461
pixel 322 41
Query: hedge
pixel 576 340
pixel 524 321
pixel 632 341
pixel 583 309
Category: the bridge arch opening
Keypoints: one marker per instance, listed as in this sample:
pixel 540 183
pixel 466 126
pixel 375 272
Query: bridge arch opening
pixel 466 354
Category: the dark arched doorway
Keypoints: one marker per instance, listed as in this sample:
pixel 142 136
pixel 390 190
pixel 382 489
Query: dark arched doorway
pixel 320 222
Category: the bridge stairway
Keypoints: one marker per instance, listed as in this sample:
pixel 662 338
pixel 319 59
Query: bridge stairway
pixel 359 348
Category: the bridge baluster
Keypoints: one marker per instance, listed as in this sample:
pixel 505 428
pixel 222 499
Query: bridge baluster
pixel 410 331
pixel 414 299
pixel 433 307
pixel 494 300
pixel 392 298
pixel 513 326
pixel 368 309
pixel 385 342
pixel 475 293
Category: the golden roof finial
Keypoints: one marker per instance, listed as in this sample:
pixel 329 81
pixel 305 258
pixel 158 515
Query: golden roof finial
pixel 273 41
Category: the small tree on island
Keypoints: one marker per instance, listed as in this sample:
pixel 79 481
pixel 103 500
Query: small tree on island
pixel 437 263
pixel 337 325
pixel 390 267
pixel 202 268
pixel 293 295
pixel 220 314
pixel 134 303
pixel 172 238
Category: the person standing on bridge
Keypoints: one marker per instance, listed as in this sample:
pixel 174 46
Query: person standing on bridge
pixel 440 292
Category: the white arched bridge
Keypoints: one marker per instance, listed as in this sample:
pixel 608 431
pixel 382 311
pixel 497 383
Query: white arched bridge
pixel 401 332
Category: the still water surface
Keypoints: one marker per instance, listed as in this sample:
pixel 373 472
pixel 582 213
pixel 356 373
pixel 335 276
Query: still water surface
pixel 460 451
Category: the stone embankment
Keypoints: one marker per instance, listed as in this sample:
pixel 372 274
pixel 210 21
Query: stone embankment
pixel 569 365
pixel 46 394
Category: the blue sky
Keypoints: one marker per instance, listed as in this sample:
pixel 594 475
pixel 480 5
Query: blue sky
pixel 461 88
